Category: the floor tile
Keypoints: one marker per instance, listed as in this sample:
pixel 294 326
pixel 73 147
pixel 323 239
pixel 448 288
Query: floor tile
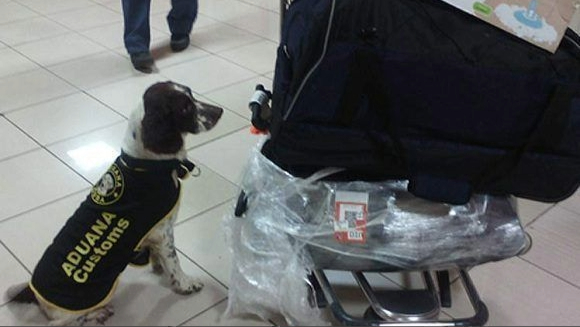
pixel 158 22
pixel 47 221
pixel 530 210
pixel 229 123
pixel 124 96
pixel 261 22
pixel 203 192
pixel 226 10
pixel 40 86
pixel 266 4
pixel 214 317
pixel 88 17
pixel 14 63
pixel 59 49
pixel 203 21
pixel 13 11
pixel 95 70
pixel 111 35
pixel 200 75
pixel 160 7
pixel 572 203
pixel 406 279
pixel 259 57
pixel 236 97
pixel 11 271
pixel 54 6
pixel 115 6
pixel 556 245
pixel 33 179
pixel 34 29
pixel 13 141
pixel 62 118
pixel 219 37
pixel 228 155
pixel 270 75
pixel 91 154
pixel 143 299
pixel 165 57
pixel 21 315
pixel 519 294
pixel 202 239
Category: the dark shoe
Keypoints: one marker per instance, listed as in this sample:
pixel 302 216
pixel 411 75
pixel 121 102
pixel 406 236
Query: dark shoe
pixel 143 62
pixel 179 43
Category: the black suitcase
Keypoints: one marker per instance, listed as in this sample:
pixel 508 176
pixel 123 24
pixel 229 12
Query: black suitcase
pixel 418 90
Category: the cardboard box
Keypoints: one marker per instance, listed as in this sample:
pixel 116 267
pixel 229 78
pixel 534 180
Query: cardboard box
pixel 541 22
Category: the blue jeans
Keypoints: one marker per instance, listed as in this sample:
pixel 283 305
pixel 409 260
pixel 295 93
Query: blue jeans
pixel 137 34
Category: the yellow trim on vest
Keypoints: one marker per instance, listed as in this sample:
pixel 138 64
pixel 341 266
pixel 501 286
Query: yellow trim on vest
pixel 103 302
pixel 131 168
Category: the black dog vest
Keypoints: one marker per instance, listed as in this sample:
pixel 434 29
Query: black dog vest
pixel 79 270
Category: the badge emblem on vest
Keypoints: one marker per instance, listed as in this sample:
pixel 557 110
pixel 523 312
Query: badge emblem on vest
pixel 109 188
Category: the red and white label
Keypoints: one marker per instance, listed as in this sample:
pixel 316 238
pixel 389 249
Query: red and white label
pixel 350 217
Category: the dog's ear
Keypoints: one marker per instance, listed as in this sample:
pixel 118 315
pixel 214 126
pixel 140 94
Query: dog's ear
pixel 160 129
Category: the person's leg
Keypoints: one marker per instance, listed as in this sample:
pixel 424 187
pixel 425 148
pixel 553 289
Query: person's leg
pixel 180 20
pixel 136 35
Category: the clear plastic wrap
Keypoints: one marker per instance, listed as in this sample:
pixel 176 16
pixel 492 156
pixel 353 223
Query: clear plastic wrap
pixel 294 225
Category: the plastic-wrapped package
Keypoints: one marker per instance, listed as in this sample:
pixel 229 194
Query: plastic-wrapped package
pixel 294 225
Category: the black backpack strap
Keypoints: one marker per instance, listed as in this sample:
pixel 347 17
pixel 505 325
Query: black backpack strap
pixel 548 132
pixel 365 83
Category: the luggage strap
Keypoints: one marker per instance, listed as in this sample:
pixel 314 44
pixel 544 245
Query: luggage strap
pixel 365 83
pixel 548 132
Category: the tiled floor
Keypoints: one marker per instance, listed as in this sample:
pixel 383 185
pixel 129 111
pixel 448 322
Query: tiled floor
pixel 66 84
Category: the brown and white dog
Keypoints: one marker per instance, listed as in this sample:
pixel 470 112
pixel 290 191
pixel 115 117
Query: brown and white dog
pixel 128 214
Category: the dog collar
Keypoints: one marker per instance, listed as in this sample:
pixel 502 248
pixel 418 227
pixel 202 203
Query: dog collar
pixel 183 167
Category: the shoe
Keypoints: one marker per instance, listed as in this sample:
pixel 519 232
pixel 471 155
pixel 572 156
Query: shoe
pixel 143 61
pixel 179 42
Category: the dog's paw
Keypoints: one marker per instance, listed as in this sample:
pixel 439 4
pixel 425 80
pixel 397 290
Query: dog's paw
pixel 98 316
pixel 185 285
pixel 102 314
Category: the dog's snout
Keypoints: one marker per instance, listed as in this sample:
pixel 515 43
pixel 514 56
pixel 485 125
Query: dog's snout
pixel 208 116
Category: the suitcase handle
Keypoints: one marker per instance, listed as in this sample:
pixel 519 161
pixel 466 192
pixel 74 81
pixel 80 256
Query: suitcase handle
pixel 260 109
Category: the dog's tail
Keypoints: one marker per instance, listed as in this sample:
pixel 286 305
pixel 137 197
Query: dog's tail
pixel 21 293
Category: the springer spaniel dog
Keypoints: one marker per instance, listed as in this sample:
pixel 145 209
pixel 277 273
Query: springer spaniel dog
pixel 127 217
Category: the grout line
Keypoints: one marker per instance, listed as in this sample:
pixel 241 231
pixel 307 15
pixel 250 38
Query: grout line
pixel 90 131
pixel 203 311
pixel 15 257
pixel 182 221
pixel 43 205
pixel 203 269
pixel 54 155
pixel 217 138
pixel 550 273
pixel 258 6
pixel 540 215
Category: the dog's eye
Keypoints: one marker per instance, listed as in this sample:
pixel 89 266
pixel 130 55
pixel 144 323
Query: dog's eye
pixel 187 109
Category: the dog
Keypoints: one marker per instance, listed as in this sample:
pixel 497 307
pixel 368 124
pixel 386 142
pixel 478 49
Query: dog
pixel 127 217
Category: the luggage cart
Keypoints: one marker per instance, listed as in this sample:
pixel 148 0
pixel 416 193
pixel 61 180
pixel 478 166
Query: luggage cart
pixel 398 307
pixel 413 307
